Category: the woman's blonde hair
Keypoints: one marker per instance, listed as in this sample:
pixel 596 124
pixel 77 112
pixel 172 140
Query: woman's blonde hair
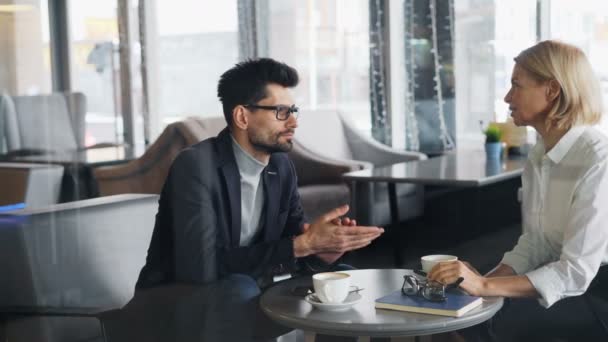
pixel 580 98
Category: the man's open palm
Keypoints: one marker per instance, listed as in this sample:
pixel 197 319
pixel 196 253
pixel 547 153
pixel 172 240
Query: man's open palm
pixel 328 234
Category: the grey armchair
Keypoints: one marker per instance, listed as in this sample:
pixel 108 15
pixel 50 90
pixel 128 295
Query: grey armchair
pixel 42 124
pixel 330 136
pixel 76 262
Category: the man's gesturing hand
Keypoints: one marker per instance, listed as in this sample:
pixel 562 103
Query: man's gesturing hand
pixel 330 258
pixel 326 236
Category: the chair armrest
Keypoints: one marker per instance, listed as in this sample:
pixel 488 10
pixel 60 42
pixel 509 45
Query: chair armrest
pixel 101 145
pixel 158 157
pixel 312 168
pixel 368 149
pixel 117 171
pixel 381 155
pixel 129 177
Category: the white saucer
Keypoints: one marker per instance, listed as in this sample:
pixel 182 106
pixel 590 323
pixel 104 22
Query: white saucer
pixel 352 299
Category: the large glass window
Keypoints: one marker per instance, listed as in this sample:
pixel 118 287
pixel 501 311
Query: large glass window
pixel 515 31
pixel 489 34
pixel 584 23
pixel 327 41
pixel 25 67
pixel 94 67
pixel 197 41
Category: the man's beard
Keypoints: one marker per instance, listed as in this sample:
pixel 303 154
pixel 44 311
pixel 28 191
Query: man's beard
pixel 258 142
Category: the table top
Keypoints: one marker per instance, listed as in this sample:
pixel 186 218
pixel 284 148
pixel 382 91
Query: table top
pixel 27 166
pixel 460 168
pixel 93 156
pixel 364 319
pixel 99 202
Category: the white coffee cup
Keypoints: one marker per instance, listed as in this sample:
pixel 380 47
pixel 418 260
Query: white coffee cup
pixel 429 261
pixel 331 287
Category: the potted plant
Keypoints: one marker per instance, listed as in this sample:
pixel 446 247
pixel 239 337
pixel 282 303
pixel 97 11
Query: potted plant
pixel 493 143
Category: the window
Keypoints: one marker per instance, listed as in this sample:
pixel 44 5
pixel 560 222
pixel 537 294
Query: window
pixel 94 67
pixel 515 31
pixel 25 64
pixel 197 41
pixel 328 43
pixel 585 24
pixel 489 34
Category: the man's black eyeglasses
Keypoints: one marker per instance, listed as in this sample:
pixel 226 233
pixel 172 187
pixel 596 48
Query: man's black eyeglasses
pixel 282 112
pixel 429 290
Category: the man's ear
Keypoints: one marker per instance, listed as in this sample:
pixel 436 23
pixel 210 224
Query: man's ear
pixel 240 118
pixel 553 90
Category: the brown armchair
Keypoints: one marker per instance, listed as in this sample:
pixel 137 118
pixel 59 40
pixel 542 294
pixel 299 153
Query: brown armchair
pixel 147 173
pixel 319 179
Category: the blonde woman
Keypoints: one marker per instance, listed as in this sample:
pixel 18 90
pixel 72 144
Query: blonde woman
pixel 555 278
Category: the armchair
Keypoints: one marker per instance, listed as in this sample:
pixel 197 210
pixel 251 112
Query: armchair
pixel 344 145
pixel 75 262
pixel 42 124
pixel 147 173
pixel 320 190
pixel 320 180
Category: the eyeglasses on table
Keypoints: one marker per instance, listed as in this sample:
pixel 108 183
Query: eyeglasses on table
pixel 428 289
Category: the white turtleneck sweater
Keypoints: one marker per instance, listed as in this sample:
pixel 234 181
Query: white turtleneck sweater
pixel 252 193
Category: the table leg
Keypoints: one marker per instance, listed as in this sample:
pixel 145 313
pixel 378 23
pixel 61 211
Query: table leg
pixel 406 339
pixel 477 224
pixel 412 339
pixel 394 206
pixel 309 336
pixel 353 199
pixel 394 209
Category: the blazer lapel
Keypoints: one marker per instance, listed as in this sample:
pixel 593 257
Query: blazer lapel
pixel 272 188
pixel 232 181
pixel 233 185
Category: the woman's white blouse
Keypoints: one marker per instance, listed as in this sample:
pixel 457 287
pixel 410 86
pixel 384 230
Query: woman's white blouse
pixel 565 215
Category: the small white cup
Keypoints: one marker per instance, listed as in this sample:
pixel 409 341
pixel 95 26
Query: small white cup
pixel 429 261
pixel 331 287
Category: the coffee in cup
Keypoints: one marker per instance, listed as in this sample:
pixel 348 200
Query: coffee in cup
pixel 331 287
pixel 429 261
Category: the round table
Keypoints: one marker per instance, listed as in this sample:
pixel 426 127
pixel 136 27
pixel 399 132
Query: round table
pixel 363 319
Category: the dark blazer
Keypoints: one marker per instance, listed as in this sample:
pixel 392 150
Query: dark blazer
pixel 198 224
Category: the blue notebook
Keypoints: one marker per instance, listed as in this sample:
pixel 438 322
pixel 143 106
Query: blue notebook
pixel 455 305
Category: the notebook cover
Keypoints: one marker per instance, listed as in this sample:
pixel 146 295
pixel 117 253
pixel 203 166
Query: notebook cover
pixel 455 305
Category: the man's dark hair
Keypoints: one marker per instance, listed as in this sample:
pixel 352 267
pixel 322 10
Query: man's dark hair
pixel 246 82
